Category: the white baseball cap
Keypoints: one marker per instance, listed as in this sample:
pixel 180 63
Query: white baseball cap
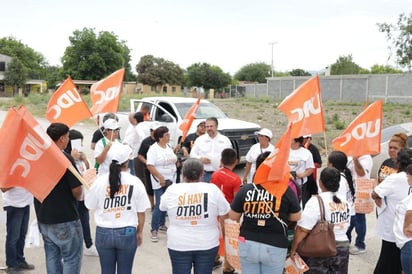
pixel 154 126
pixel 307 136
pixel 122 154
pixel 265 132
pixel 111 124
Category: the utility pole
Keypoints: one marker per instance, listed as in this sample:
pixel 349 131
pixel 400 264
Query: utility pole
pixel 271 67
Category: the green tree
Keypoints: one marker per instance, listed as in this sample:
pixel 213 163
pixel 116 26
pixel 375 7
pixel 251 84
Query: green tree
pixel 299 72
pixel 345 65
pixel 207 76
pixel 16 75
pixel 155 71
pixel 399 37
pixel 94 56
pixel 256 72
pixel 381 69
pixel 33 62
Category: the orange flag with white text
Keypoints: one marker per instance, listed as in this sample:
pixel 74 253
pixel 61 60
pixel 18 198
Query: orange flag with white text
pixel 29 158
pixel 105 94
pixel 363 135
pixel 304 109
pixel 66 105
pixel 273 173
pixel 188 119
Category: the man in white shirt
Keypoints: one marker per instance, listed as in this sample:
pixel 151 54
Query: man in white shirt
pixel 133 137
pixel 208 148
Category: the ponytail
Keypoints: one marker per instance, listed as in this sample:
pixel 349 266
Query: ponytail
pixel 114 178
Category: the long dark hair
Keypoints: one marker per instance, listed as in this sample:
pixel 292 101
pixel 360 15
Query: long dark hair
pixel 339 160
pixel 330 178
pixel 115 177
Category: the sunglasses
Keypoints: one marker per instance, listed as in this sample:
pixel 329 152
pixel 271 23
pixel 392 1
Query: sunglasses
pixel 116 130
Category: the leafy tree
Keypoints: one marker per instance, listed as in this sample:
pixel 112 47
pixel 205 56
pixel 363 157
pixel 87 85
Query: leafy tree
pixel 32 61
pixel 93 56
pixel 155 71
pixel 345 65
pixel 299 72
pixel 381 69
pixel 207 76
pixel 399 38
pixel 256 72
pixel 16 75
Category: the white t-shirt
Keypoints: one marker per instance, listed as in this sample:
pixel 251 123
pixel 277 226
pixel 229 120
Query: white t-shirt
pixel 164 160
pixel 252 155
pixel 212 148
pixel 193 209
pixel 344 191
pixel 133 137
pixel 17 197
pixel 121 211
pixel 366 162
pixel 299 160
pixel 401 208
pixel 395 188
pixel 338 214
pixel 104 167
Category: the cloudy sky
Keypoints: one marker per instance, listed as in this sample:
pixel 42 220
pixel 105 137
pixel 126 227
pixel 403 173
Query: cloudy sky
pixel 227 33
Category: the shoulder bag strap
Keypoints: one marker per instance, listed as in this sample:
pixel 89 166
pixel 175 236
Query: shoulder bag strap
pixel 321 208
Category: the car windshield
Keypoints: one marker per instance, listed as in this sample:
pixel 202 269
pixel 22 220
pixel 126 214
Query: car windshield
pixel 205 110
pixel 389 131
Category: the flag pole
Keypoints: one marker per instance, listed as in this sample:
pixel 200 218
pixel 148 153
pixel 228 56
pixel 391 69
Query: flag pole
pixel 79 177
pixel 326 144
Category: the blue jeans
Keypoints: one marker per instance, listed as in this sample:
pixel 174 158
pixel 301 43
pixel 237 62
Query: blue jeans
pixel 158 216
pixel 85 220
pixel 358 221
pixel 261 258
pixel 406 258
pixel 63 247
pixel 207 176
pixel 201 260
pixel 17 225
pixel 116 248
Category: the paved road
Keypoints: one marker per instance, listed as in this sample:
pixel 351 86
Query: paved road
pixel 153 257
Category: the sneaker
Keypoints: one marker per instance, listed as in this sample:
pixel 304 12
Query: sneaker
pixel 163 228
pixel 91 251
pixel 26 266
pixel 217 264
pixel 154 237
pixel 14 270
pixel 230 272
pixel 354 250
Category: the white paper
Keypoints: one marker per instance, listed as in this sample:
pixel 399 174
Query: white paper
pixel 77 144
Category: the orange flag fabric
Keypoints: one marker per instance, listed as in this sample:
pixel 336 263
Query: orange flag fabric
pixel 188 119
pixel 363 135
pixel 66 105
pixel 105 94
pixel 29 158
pixel 304 108
pixel 273 173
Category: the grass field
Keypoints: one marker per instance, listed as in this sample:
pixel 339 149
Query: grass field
pixel 263 111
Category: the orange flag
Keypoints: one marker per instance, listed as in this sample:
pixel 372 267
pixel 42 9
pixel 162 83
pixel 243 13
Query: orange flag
pixel 304 108
pixel 105 94
pixel 29 158
pixel 188 119
pixel 66 105
pixel 273 173
pixel 363 135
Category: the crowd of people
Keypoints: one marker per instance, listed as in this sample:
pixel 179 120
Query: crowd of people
pixel 192 189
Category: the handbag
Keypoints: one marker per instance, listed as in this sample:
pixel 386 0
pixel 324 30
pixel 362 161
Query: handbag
pixel 320 242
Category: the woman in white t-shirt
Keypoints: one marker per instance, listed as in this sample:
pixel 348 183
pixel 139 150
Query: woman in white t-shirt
pixel 339 160
pixel 337 211
pixel 394 189
pixel 119 201
pixel 264 136
pixel 161 162
pixel 194 209
pixel 402 227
